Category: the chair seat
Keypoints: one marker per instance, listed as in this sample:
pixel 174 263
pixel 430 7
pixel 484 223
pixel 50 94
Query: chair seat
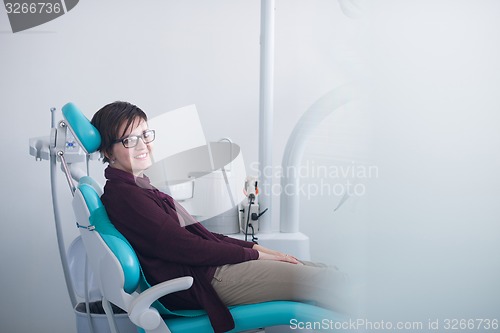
pixel 250 316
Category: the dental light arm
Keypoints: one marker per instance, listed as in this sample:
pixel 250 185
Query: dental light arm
pixel 295 147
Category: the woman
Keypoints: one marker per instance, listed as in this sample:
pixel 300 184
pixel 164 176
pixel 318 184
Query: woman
pixel 170 243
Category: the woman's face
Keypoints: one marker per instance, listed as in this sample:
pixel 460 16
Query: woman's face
pixel 135 159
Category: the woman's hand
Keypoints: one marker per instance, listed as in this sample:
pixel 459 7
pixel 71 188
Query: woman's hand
pixel 268 254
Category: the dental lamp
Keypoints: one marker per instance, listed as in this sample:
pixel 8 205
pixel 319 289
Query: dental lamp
pixel 205 178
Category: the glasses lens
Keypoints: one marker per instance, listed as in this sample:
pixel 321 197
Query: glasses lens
pixel 148 136
pixel 130 142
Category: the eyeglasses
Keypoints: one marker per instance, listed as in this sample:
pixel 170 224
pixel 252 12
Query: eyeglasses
pixel 131 141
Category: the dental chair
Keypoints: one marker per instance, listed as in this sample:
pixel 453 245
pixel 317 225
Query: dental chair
pixel 122 282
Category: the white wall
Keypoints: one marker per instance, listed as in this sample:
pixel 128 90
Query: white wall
pixel 431 128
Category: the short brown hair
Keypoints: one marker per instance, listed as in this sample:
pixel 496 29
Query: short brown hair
pixel 110 118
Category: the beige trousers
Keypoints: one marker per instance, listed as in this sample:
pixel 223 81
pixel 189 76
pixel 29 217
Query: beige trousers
pixel 266 280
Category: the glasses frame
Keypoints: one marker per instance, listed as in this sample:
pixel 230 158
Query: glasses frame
pixel 137 137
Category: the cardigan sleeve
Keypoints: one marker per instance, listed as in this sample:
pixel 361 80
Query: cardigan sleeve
pixel 155 231
pixel 234 240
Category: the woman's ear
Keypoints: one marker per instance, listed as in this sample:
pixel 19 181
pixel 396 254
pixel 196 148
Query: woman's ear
pixel 107 157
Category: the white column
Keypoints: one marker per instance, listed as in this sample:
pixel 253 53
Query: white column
pixel 266 112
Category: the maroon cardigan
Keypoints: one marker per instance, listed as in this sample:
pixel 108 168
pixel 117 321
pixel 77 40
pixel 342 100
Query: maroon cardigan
pixel 149 219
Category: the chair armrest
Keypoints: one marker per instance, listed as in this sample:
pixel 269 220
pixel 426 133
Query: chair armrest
pixel 142 314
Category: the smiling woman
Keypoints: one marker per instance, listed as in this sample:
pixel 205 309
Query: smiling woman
pixel 126 143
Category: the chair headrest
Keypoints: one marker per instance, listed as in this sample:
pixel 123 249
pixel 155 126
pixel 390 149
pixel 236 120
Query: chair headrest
pixel 85 133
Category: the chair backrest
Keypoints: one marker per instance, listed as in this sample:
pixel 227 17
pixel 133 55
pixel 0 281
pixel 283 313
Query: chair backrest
pixel 114 240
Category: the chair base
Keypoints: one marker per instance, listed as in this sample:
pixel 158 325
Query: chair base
pixel 99 322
